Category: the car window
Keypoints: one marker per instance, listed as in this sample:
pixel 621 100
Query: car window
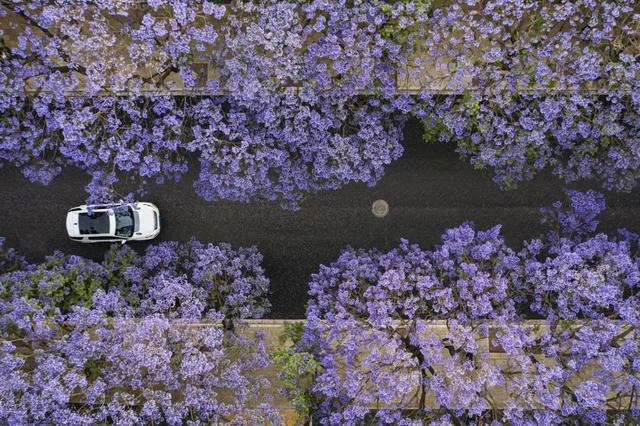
pixel 102 238
pixel 94 223
pixel 124 221
pixel 136 220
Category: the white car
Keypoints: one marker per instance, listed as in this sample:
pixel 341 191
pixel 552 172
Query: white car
pixel 119 222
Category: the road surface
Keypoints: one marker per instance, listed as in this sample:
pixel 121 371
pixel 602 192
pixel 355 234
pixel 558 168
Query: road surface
pixel 428 190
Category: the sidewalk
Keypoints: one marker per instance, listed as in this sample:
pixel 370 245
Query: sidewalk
pixel 436 75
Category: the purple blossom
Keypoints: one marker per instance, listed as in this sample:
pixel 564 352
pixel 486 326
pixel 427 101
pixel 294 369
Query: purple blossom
pixel 285 113
pixel 116 341
pixel 402 336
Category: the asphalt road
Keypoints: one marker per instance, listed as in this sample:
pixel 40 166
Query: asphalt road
pixel 428 190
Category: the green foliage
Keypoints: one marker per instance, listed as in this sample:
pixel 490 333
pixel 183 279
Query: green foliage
pixel 64 282
pixel 116 261
pixel 292 332
pixel 432 132
pixel 467 104
pixel 298 370
pixel 176 359
pixel 536 23
pixel 93 367
pixel 565 324
pixel 392 30
pixel 216 294
pixel 10 260
pixel 470 104
pixel 64 289
pixel 13 330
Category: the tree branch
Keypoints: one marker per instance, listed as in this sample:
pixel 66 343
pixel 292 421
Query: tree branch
pixel 71 65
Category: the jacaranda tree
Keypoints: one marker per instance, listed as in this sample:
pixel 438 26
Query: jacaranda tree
pixel 412 336
pixel 273 124
pixel 274 100
pixel 135 339
pixel 540 85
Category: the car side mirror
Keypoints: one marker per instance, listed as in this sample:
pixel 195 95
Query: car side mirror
pixel 123 242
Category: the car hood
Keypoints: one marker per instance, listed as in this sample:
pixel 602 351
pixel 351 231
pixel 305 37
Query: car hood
pixel 147 219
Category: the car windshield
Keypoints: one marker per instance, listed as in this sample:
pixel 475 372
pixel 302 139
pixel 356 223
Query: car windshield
pixel 95 223
pixel 124 222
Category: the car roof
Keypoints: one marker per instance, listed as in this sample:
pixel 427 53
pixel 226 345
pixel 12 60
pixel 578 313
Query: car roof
pixel 98 222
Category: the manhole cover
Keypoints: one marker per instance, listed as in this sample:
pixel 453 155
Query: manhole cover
pixel 380 208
